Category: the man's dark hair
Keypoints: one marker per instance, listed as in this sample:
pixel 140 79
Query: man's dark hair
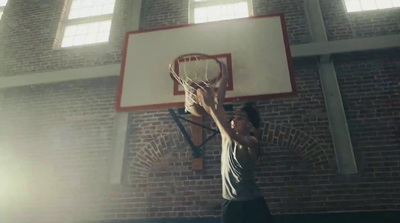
pixel 252 114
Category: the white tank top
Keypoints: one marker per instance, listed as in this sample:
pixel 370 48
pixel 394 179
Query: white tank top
pixel 238 180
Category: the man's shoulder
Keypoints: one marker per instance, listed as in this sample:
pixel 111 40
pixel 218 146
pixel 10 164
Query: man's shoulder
pixel 254 139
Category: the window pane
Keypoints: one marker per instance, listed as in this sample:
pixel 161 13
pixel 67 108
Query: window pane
pixel 228 11
pixel 81 29
pixel 73 14
pixel 241 10
pixel 3 3
pixel 221 12
pixel 93 28
pixel 105 26
pixel 108 9
pixel 79 40
pixel 353 5
pixel 384 4
pixel 87 8
pixel 364 5
pixel 90 39
pixel 200 15
pixel 368 4
pixel 75 4
pixel 88 33
pixel 70 31
pixel 102 37
pixel 213 13
pixel 97 10
pixel 67 41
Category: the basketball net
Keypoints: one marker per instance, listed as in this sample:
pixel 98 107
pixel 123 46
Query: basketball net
pixel 193 71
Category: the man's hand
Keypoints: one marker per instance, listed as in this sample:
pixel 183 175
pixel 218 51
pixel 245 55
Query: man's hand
pixel 206 98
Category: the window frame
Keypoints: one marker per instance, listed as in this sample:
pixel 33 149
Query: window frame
pixel 64 22
pixel 193 5
pixel 368 10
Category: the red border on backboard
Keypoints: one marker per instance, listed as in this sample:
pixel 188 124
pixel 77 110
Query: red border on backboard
pixel 234 99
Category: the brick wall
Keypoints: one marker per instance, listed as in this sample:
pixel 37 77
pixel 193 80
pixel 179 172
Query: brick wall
pixel 28 31
pixel 156 14
pixel 342 25
pixel 55 142
pixel 55 139
pixel 295 17
pixel 371 95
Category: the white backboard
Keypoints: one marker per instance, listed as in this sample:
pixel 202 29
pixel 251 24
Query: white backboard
pixel 256 50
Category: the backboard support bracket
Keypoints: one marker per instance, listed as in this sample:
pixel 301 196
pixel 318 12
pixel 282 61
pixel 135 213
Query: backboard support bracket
pixel 195 148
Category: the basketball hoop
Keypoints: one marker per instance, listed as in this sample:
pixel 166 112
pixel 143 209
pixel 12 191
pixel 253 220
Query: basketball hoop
pixel 193 71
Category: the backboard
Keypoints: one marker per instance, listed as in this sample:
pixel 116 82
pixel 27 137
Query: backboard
pixel 255 50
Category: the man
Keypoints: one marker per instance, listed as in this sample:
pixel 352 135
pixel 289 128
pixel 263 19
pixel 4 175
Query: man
pixel 243 202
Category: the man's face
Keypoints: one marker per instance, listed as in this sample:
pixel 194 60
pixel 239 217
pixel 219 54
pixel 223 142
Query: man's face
pixel 240 123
